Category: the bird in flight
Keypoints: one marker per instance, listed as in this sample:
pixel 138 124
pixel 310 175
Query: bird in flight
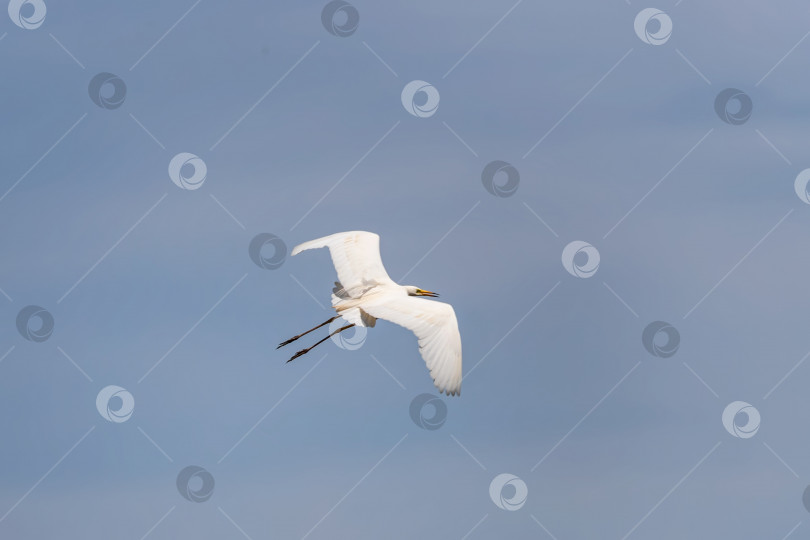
pixel 365 293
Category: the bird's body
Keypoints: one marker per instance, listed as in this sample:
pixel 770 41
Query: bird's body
pixel 365 293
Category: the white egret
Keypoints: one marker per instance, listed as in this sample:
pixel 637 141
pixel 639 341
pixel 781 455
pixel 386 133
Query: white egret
pixel 365 293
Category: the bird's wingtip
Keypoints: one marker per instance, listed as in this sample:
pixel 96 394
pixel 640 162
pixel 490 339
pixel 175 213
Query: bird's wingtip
pixel 450 391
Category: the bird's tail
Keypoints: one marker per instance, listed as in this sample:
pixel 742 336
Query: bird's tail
pixel 346 306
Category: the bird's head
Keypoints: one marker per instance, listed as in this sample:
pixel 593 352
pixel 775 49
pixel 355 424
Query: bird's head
pixel 416 291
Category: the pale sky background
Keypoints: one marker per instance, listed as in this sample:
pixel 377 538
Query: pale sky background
pixel 628 441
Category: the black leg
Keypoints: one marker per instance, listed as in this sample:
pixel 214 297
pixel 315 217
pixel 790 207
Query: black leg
pixel 307 332
pixel 305 351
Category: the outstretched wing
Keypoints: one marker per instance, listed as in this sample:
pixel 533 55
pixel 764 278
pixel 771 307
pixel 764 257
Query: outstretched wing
pixel 436 328
pixel 356 256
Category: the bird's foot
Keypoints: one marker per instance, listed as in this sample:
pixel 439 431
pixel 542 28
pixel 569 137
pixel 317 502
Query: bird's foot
pixel 280 345
pixel 296 355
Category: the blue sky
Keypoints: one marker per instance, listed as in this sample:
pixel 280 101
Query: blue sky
pixel 303 134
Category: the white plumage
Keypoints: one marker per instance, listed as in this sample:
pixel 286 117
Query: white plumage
pixel 366 293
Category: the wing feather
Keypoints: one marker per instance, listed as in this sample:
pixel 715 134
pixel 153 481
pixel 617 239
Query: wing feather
pixel 436 328
pixel 356 257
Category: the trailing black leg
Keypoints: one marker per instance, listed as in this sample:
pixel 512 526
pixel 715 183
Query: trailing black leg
pixel 305 351
pixel 305 333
